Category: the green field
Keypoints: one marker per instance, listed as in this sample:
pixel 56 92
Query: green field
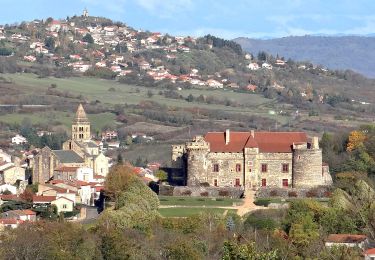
pixel 97 89
pixel 98 121
pixel 193 201
pixel 186 212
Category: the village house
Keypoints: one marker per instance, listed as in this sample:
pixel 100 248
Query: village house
pixel 19 139
pixel 347 240
pixel 252 160
pixel 11 173
pixel 253 66
pixel 9 223
pixel 24 215
pixel 266 65
pixel 214 83
pixel 369 254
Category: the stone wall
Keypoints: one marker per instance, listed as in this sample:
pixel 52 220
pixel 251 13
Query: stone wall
pixel 307 168
pixel 275 174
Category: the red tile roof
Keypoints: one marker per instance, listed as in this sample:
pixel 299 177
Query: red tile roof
pixel 267 142
pixel 24 212
pixel 345 238
pixel 10 197
pixel 10 221
pixel 66 169
pixel 43 198
pixel 370 251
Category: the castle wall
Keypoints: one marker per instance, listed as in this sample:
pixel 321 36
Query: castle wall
pixel 177 156
pixel 227 172
pixel 275 174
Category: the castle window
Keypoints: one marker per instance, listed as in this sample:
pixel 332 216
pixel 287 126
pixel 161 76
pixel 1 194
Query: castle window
pixel 264 167
pixel 215 167
pixel 250 165
pixel 264 182
pixel 215 182
pixel 285 167
pixel 285 183
pixel 238 167
pixel 237 183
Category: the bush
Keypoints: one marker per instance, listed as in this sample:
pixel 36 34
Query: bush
pixel 311 193
pixel 223 193
pixel 219 199
pixel 186 193
pixel 204 194
pixel 204 184
pixel 262 202
pixel 327 194
pixel 292 194
pixel 274 193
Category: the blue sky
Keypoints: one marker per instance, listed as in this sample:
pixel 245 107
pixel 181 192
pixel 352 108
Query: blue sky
pixel 224 18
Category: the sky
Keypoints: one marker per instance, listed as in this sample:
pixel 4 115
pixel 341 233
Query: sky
pixel 224 18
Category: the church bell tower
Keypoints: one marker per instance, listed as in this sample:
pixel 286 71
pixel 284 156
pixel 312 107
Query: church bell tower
pixel 81 126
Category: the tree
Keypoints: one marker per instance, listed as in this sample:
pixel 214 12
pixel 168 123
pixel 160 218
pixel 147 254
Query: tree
pixel 49 43
pixel 150 93
pixel 247 251
pixel 161 175
pixel 88 38
pixel 356 139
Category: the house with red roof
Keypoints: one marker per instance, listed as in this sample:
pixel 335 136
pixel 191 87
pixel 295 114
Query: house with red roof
pixel 369 254
pixel 252 159
pixel 9 223
pixel 347 240
pixel 24 215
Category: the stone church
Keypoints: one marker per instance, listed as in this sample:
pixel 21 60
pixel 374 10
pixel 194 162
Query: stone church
pixel 252 159
pixel 79 151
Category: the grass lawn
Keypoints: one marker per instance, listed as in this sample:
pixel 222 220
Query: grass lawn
pixel 193 201
pixel 186 212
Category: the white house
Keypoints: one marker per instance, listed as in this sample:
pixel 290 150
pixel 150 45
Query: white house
pixel 8 187
pixel 85 174
pixel 63 204
pixel 19 139
pixel 253 66
pixel 266 65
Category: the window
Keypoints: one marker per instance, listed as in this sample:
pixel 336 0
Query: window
pixel 64 206
pixel 285 183
pixel 285 167
pixel 238 167
pixel 264 182
pixel 250 163
pixel 215 182
pixel 264 167
pixel 237 183
pixel 215 167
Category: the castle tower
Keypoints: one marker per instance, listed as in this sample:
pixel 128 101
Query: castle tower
pixel 197 151
pixel 307 165
pixel 81 126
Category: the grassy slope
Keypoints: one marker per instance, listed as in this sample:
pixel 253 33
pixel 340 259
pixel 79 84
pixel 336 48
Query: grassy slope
pixel 97 89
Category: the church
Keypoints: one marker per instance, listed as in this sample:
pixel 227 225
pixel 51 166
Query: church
pixel 78 152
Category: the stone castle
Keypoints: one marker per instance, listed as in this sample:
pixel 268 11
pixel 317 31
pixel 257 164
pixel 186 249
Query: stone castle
pixel 252 159
pixel 78 152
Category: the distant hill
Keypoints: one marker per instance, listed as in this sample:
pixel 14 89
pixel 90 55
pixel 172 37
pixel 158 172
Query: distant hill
pixel 344 52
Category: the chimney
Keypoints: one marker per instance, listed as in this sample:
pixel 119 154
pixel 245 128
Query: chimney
pixel 315 142
pixel 227 136
pixel 252 132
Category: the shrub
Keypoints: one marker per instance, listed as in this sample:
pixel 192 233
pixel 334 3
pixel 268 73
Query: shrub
pixel 262 202
pixel 292 194
pixel 311 193
pixel 219 199
pixel 327 194
pixel 181 199
pixel 186 193
pixel 274 193
pixel 204 184
pixel 204 194
pixel 223 193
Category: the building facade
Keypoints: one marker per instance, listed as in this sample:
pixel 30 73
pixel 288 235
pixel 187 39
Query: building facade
pixel 79 151
pixel 252 159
